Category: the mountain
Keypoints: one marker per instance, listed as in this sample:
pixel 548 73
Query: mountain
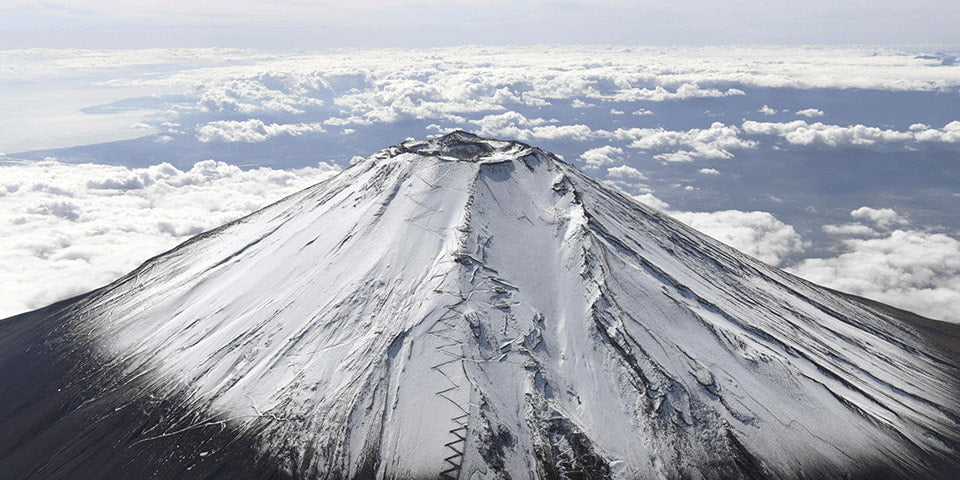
pixel 472 308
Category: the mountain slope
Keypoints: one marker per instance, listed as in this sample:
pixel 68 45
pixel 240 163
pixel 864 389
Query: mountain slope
pixel 470 308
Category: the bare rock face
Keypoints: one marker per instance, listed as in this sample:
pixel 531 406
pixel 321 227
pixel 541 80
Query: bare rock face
pixel 472 308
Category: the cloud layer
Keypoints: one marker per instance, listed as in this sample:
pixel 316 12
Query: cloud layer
pixel 251 131
pixel 914 270
pixel 448 86
pixel 911 269
pixel 644 119
pixel 758 234
pixel 69 228
pixel 799 132
pixel 882 259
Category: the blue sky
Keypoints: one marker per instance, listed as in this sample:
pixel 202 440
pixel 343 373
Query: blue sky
pixel 425 23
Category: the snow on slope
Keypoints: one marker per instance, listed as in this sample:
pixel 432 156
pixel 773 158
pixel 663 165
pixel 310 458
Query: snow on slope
pixel 471 308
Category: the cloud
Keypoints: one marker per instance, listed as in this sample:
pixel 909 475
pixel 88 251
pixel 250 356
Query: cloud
pixel 766 110
pixel 881 217
pixel 799 132
pixel 914 270
pixel 568 132
pixel 911 269
pixel 598 157
pixel 560 72
pixel 660 94
pixel 718 141
pixel 66 210
pixel 758 234
pixel 625 172
pixel 453 85
pixel 650 200
pixel 950 133
pixel 253 95
pixel 507 125
pixel 386 85
pixel 251 131
pixel 810 112
pixel 70 228
pixel 850 230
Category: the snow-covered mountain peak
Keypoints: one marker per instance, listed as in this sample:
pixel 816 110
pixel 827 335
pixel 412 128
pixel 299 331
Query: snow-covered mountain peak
pixel 472 308
pixel 465 147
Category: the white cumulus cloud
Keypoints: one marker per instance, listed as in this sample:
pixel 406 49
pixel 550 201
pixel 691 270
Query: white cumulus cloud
pixel 799 132
pixel 758 234
pixel 605 155
pixel 881 217
pixel 910 269
pixel 651 200
pixel 950 133
pixel 810 112
pixel 850 230
pixel 251 131
pixel 70 228
pixel 507 125
pixel 253 95
pixel 767 110
pixel 661 94
pixel 718 141
pixel 625 172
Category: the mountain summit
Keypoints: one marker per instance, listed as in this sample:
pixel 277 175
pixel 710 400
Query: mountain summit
pixel 472 308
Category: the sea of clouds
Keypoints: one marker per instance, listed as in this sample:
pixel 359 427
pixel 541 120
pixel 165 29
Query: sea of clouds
pixel 70 228
pixel 73 222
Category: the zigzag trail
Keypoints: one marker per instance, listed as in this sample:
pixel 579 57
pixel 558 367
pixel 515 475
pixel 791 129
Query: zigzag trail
pixel 450 330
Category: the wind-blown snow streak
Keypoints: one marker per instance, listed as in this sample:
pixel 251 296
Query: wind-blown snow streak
pixel 470 308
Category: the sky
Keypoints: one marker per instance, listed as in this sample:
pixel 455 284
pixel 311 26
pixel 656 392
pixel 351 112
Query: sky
pixel 819 137
pixel 306 24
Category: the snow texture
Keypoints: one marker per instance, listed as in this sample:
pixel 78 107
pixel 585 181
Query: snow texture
pixel 472 308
